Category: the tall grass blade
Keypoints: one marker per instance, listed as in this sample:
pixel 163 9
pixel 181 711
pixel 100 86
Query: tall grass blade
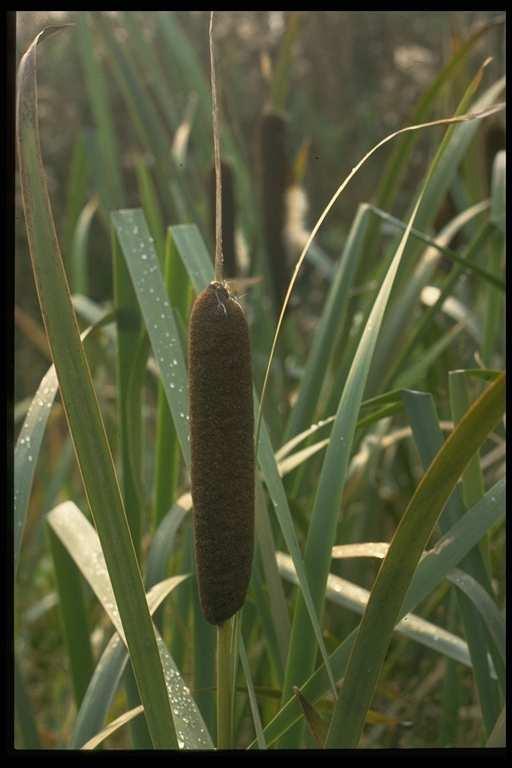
pixel 400 316
pixel 145 118
pixel 74 618
pixel 467 584
pixel 252 695
pixel 26 453
pixel 79 268
pixel 142 262
pixel 355 598
pixel 151 207
pixel 115 725
pixel 322 528
pixel 76 190
pixel 416 372
pixel 148 61
pixel 167 447
pixel 473 487
pixel 421 328
pixel 432 569
pixel 494 320
pixel 398 568
pixel 330 326
pixel 162 543
pixel 30 438
pixel 82 410
pixel 276 597
pixel 112 196
pixel 434 243
pixel 109 671
pixel 130 368
pixel 82 543
pixel 111 190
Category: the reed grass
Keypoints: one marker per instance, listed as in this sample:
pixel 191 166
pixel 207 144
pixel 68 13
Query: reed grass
pixel 374 428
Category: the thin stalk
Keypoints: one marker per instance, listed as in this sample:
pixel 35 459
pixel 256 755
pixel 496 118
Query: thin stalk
pixel 225 685
pixel 218 177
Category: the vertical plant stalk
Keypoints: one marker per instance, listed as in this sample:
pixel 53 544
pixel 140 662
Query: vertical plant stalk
pixel 225 685
pixel 224 708
pixel 229 261
pixel 216 155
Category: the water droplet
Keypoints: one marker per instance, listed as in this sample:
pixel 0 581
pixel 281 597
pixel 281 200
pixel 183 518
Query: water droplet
pixel 144 256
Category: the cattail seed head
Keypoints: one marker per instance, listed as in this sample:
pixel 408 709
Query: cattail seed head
pixel 222 451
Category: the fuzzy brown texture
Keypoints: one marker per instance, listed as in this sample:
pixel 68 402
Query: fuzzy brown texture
pixel 228 218
pixel 222 451
pixel 276 177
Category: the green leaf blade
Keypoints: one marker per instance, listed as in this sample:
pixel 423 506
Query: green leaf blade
pixel 398 568
pixel 82 410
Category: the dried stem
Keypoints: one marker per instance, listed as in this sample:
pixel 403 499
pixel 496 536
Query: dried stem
pixel 219 259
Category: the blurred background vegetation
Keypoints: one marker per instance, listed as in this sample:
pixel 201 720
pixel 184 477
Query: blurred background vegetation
pixel 353 78
pixel 340 81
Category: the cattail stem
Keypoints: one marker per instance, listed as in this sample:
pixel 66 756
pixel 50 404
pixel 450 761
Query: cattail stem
pixel 216 154
pixel 225 684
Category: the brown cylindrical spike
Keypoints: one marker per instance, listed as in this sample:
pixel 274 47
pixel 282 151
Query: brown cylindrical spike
pixel 222 451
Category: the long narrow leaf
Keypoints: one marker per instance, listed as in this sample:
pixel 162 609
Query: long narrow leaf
pixel 142 261
pixel 108 673
pixel 431 571
pixel 82 543
pixel 30 438
pixel 394 577
pixel 355 598
pixel 83 413
pixel 428 437
pixel 330 326
pixel 322 528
